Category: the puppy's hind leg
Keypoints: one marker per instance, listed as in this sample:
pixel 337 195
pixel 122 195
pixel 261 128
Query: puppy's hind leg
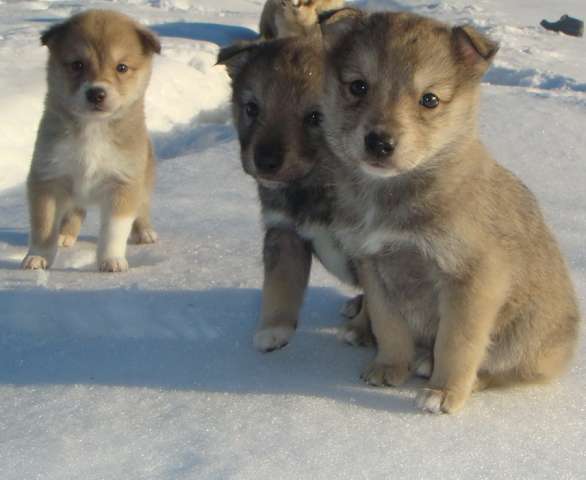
pixel 357 330
pixel 352 307
pixel 70 227
pixel 287 262
pixel 541 367
pixel 142 230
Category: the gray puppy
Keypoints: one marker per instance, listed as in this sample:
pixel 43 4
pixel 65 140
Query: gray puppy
pixel 451 248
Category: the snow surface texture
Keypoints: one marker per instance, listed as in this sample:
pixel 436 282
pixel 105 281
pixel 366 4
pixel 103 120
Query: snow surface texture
pixel 152 374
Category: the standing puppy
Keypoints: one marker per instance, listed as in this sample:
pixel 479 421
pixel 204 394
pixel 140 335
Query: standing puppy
pixel 276 89
pixel 92 146
pixel 453 251
pixel 286 18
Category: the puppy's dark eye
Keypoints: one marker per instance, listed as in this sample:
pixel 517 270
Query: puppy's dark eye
pixel 251 109
pixel 429 100
pixel 359 88
pixel 77 66
pixel 122 68
pixel 313 119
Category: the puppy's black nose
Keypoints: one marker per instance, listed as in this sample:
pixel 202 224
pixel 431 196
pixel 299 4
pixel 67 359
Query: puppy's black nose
pixel 96 95
pixel 379 144
pixel 268 158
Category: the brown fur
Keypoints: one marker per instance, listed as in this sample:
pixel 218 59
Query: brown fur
pixel 453 248
pixel 276 89
pixel 286 18
pixel 88 153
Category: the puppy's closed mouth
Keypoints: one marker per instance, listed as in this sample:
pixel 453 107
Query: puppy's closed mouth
pixel 271 184
pixel 96 112
pixel 379 170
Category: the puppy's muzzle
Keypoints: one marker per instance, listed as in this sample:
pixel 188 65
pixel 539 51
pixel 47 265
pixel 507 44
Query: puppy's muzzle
pixel 268 158
pixel 379 145
pixel 96 96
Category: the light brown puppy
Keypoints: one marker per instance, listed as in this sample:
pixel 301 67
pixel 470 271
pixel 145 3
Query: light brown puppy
pixel 286 18
pixel 92 145
pixel 453 250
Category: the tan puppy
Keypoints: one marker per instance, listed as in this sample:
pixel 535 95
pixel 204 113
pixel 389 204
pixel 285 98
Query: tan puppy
pixel 286 18
pixel 92 146
pixel 453 250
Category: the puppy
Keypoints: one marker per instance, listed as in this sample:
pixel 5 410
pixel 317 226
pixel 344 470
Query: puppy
pixel 452 249
pixel 285 18
pixel 276 88
pixel 92 145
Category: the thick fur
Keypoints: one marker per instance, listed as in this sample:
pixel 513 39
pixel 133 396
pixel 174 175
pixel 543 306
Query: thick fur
pixel 280 83
pixel 286 18
pixel 93 153
pixel 452 248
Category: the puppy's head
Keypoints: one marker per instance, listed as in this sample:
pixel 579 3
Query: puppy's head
pixel 99 63
pixel 302 12
pixel 276 87
pixel 401 89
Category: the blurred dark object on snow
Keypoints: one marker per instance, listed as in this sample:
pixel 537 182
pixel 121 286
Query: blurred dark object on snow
pixel 566 24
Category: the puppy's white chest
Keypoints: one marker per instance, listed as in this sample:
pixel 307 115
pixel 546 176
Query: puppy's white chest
pixel 91 159
pixel 329 252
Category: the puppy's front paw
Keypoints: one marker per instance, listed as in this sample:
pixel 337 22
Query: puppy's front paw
pixel 357 335
pixel 273 338
pixel 381 374
pixel 34 262
pixel 113 265
pixel 436 400
pixel 67 240
pixel 144 236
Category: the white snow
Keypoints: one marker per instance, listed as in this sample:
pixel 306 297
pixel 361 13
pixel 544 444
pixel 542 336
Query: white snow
pixel 152 374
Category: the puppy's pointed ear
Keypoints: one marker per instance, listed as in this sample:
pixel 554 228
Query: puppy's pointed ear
pixel 473 50
pixel 236 56
pixel 53 33
pixel 336 23
pixel 150 42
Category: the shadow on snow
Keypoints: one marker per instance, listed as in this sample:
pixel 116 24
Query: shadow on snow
pixel 217 33
pixel 186 340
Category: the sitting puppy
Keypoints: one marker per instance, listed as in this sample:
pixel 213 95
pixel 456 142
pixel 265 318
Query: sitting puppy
pixel 286 18
pixel 92 146
pixel 276 89
pixel 452 249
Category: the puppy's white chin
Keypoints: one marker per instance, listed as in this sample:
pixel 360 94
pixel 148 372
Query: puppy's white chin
pixel 95 115
pixel 273 185
pixel 379 172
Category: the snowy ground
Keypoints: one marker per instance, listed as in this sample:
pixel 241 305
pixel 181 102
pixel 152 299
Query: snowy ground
pixel 152 375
